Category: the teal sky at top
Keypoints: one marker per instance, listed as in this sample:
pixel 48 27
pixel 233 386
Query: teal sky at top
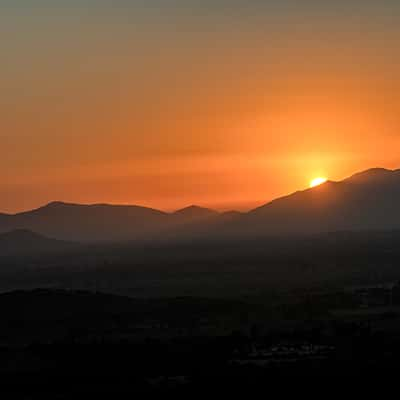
pixel 38 17
pixel 203 7
pixel 171 15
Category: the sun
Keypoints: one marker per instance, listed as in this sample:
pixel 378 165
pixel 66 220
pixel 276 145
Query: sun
pixel 317 181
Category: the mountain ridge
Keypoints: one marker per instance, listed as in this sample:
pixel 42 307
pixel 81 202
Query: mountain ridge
pixel 365 200
pixel 23 241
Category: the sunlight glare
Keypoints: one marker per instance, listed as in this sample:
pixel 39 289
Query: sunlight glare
pixel 317 181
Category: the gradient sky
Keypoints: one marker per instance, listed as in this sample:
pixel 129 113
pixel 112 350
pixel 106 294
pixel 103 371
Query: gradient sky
pixel 225 104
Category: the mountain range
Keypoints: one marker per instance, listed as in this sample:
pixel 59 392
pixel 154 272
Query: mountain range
pixel 368 200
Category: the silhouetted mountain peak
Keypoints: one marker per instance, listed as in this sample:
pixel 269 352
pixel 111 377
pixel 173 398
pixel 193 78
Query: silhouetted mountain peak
pixel 195 211
pixel 300 195
pixel 366 200
pixel 372 175
pixel 56 204
pixel 81 222
pixel 60 206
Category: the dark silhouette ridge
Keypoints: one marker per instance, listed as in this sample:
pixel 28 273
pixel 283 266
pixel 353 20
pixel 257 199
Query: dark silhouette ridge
pixel 371 175
pixel 193 215
pixel 365 201
pixel 22 241
pixel 88 222
pixel 194 211
pixel 102 222
pixel 59 205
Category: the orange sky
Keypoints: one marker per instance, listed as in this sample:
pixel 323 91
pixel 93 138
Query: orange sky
pixel 205 109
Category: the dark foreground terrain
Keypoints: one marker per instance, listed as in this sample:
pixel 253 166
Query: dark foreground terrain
pixel 77 344
pixel 198 317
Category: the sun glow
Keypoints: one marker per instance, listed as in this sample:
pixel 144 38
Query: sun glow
pixel 317 181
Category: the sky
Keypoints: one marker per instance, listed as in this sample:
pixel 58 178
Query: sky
pixel 225 104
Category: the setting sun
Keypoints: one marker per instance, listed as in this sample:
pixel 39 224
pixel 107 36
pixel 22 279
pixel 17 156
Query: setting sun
pixel 317 181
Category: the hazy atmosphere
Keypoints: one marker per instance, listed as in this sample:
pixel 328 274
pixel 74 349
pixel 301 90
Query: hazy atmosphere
pixel 199 197
pixel 226 104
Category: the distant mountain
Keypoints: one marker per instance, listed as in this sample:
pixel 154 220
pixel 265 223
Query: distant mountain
pixel 373 175
pixel 102 222
pixel 365 201
pixel 88 222
pixel 192 214
pixel 21 242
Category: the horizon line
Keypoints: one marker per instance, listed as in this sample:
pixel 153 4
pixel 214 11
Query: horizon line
pixel 222 210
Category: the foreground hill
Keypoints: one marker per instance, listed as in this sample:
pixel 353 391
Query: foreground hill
pixel 56 314
pixel 20 242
